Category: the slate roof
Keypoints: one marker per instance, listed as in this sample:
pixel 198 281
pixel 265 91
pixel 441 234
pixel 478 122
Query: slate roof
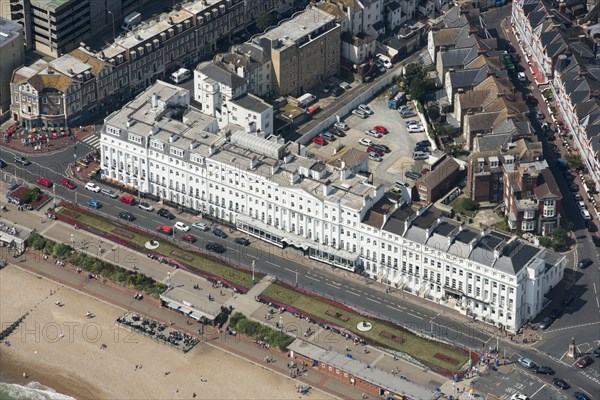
pixel 219 73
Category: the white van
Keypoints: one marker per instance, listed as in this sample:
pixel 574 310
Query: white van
pixel 419 155
pixel 181 75
pixel 306 99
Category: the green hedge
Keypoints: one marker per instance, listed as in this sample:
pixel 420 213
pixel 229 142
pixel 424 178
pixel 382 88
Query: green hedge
pixel 93 265
pixel 243 325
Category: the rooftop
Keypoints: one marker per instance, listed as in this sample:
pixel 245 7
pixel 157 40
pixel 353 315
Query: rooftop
pixel 9 30
pixel 293 31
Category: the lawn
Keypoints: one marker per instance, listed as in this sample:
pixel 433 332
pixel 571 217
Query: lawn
pixel 457 206
pixel 194 260
pixel 436 355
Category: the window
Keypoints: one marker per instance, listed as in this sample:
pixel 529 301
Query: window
pixel 529 214
pixel 527 225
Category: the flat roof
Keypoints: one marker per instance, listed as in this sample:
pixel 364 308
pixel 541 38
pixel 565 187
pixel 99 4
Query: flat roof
pixel 289 32
pixel 9 30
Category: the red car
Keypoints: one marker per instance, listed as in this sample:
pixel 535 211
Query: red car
pixel 45 182
pixel 130 200
pixel 530 99
pixel 188 238
pixel 166 229
pixel 68 183
pixel 585 361
pixel 381 129
pixel 376 150
pixel 320 141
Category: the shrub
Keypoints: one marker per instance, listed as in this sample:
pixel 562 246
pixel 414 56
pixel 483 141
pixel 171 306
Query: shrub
pixel 545 241
pixel 36 241
pixel 240 323
pixel 470 204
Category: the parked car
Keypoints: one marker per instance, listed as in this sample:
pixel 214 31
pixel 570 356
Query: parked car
pixel 2 163
pixel 373 133
pixel 360 114
pixel 596 352
pixel 585 361
pixel 163 212
pixel 375 150
pixel 580 396
pixel 518 396
pixel 412 122
pixel 585 214
pixel 242 241
pixel 382 147
pixel 327 136
pixel 577 196
pixel 92 187
pixel 94 204
pixel 412 175
pixel 539 115
pixel 591 227
pixel 526 362
pixel 337 132
pixel 546 322
pixel 381 129
pixel 366 109
pixel 384 60
pixel 596 240
pixel 45 182
pixel 328 87
pixel 415 128
pixel 22 160
pixel 568 300
pixel 145 206
pixel 106 192
pixel 69 184
pixel 188 238
pixel 530 99
pixel 560 383
pixel 341 125
pixel 375 157
pixel 180 226
pixel 200 226
pixel 166 229
pixel 425 143
pixel 584 263
pixel 581 205
pixel 555 313
pixel 319 140
pixel 126 216
pixel 422 149
pixel 129 200
pixel 216 247
pixel 337 90
pixel 365 142
pixel 522 77
pixel 543 370
pixel 219 233
pixel 573 187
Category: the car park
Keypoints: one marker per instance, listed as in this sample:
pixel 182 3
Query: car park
pixel 584 263
pixel 366 109
pixel 22 160
pixel 319 140
pixel 129 200
pixel 166 229
pixel 94 204
pixel 126 216
pixel 45 182
pixel 188 238
pixel 526 362
pixel 145 206
pixel 584 361
pixel 560 383
pixel 69 184
pixel 181 226
pixel 327 136
pixel 106 192
pixel 163 212
pixel 200 226
pixel 219 233
pixel 92 187
pixel 543 370
pixel 373 133
pixel 365 142
pixel 360 114
pixel 242 241
pixel 412 175
pixel 546 322
pixel 341 125
pixel 216 247
pixel 381 129
pixel 375 157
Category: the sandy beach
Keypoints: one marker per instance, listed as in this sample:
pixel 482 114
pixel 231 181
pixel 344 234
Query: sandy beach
pixel 61 348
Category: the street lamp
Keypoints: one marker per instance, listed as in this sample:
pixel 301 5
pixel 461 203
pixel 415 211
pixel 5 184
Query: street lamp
pixel 113 23
pixel 253 264
pixel 72 241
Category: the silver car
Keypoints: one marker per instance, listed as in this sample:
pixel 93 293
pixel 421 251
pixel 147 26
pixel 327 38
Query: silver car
pixel 360 113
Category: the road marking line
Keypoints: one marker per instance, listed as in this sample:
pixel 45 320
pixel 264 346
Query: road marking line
pixel 416 316
pixel 373 300
pixel 329 284
pixel 543 386
pixel 356 294
pixel 394 308
pixel 314 279
pixel 291 270
pixel 253 256
pixel 572 327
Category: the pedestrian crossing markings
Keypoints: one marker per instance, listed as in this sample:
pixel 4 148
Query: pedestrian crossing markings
pixel 92 141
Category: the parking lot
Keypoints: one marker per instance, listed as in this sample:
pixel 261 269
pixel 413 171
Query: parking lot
pixel 399 140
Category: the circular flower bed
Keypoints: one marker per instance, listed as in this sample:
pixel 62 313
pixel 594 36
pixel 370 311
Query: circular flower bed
pixel 151 245
pixel 364 326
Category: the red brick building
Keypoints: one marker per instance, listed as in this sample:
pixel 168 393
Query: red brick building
pixel 435 184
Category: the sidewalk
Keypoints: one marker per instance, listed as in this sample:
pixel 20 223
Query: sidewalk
pixel 48 146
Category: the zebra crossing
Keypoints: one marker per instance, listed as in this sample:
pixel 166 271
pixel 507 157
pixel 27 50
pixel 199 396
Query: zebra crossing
pixel 92 140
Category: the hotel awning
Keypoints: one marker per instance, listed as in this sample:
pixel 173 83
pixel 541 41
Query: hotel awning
pixel 453 291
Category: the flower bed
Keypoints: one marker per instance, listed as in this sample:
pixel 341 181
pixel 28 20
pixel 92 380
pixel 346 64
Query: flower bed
pixel 446 358
pixel 179 254
pixel 22 193
pixel 71 214
pixel 337 315
pixel 122 233
pixel 388 335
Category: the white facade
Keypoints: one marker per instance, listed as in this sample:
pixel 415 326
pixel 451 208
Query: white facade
pixel 328 209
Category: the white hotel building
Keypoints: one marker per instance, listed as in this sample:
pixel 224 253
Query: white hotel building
pixel 327 208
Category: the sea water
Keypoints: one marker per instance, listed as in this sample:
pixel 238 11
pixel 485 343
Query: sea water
pixel 31 391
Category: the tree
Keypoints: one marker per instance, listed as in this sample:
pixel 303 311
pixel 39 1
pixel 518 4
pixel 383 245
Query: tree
pixel 545 241
pixel 417 90
pixel 433 110
pixel 559 239
pixel 574 161
pixel 264 21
